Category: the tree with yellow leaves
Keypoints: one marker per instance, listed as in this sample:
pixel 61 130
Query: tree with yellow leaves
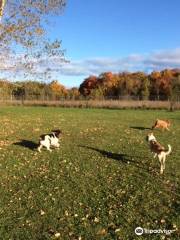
pixel 2 3
pixel 58 90
pixel 23 26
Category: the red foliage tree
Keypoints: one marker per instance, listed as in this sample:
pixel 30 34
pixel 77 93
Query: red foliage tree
pixel 87 85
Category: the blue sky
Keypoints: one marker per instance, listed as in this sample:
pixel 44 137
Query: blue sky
pixel 116 35
pixel 116 30
pixel 119 27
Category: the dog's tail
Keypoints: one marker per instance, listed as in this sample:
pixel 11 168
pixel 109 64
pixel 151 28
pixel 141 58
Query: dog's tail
pixel 168 122
pixel 169 150
pixel 155 124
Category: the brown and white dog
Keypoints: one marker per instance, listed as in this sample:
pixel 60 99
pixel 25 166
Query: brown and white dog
pixel 159 150
pixel 164 124
pixel 49 140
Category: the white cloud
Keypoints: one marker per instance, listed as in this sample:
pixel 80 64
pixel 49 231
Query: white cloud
pixel 94 66
pixel 161 59
pixel 135 62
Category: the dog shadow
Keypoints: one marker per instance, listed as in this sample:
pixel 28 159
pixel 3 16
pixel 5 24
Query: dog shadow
pixel 121 157
pixel 27 144
pixel 116 156
pixel 141 128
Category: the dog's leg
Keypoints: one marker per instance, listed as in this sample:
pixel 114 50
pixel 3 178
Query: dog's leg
pixel 39 148
pixel 164 159
pixel 48 145
pixel 161 163
pixel 155 155
pixel 161 170
pixel 48 148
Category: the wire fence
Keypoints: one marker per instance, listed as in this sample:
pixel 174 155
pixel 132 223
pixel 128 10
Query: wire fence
pixel 52 97
pixel 79 101
pixel 108 104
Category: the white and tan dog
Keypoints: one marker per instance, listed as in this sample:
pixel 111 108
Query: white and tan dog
pixel 158 150
pixel 49 140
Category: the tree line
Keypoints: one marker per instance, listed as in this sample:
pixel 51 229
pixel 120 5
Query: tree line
pixel 34 90
pixel 159 85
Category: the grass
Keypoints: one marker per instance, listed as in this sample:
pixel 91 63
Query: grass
pixel 101 184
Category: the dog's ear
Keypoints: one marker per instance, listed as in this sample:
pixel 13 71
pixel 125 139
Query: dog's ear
pixel 57 132
pixel 42 137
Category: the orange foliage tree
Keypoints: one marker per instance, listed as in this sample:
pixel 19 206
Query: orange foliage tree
pixel 155 86
pixel 57 89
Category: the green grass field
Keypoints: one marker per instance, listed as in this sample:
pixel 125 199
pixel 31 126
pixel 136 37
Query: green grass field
pixel 101 184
